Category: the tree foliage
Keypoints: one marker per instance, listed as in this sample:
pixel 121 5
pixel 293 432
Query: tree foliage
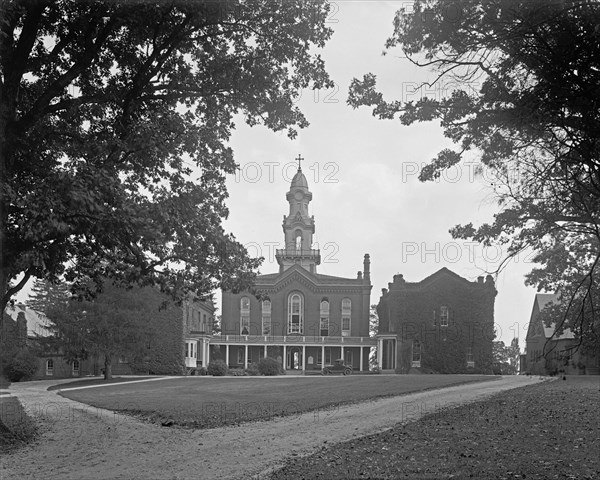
pixel 526 101
pixel 114 126
pixel 115 324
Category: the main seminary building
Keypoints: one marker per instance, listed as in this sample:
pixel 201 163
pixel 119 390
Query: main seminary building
pixel 307 319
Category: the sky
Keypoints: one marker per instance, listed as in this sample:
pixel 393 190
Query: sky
pixel 363 175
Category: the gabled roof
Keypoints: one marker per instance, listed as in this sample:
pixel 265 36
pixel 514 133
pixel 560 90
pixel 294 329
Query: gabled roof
pixel 435 277
pixel 314 279
pixel 537 326
pixel 36 321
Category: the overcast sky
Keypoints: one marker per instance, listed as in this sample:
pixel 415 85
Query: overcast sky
pixel 363 175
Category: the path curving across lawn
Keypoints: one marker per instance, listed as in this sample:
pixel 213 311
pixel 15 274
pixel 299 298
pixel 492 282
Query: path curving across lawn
pixel 78 442
pixel 208 402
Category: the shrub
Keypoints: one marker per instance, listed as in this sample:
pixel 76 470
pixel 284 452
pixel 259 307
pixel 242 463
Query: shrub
pixel 252 370
pixel 376 369
pixel 217 368
pixel 237 372
pixel 201 371
pixel 22 366
pixel 269 366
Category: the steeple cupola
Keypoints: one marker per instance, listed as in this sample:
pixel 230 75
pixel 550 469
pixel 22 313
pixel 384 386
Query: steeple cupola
pixel 298 227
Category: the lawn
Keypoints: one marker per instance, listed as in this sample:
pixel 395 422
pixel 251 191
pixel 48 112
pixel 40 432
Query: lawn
pixel 87 382
pixel 205 402
pixel 545 431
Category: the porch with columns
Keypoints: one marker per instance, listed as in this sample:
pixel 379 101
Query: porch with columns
pixel 296 352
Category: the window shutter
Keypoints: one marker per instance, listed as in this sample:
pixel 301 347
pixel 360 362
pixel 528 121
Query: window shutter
pixel 435 322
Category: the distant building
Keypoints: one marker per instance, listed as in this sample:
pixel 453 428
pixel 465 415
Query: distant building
pixel 549 353
pixel 300 317
pixel 442 324
pixel 176 338
pixel 28 327
pixel 198 320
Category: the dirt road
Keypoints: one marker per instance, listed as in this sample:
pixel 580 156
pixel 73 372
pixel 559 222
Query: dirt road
pixel 82 442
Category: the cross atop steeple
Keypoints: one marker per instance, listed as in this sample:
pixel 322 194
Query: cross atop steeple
pixel 299 164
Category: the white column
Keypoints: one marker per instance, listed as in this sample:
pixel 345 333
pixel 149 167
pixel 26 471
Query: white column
pixel 227 354
pixel 303 358
pixel 246 356
pixel 342 354
pixel 361 359
pixel 322 356
pixel 265 354
pixel 380 352
pixel 284 357
pixel 207 352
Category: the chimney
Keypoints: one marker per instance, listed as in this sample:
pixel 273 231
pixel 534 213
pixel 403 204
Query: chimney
pixel 367 267
pixel 479 279
pixel 21 329
pixel 359 275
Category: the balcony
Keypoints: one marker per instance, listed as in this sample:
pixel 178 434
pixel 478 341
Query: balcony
pixel 292 253
pixel 293 340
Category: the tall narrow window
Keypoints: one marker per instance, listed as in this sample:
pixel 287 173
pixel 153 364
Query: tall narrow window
pixel 324 318
pixel 435 320
pixel 266 317
pixel 245 316
pixel 416 354
pixel 443 316
pixel 50 367
pixel 298 242
pixel 295 314
pixel 76 367
pixel 470 360
pixel 346 316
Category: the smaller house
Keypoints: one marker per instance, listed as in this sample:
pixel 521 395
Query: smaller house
pixel 547 353
pixel 198 320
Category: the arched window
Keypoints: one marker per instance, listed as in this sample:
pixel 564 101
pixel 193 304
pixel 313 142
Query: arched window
pixel 244 316
pixel 416 354
pixel 298 241
pixel 266 317
pixel 346 317
pixel 324 310
pixel 50 367
pixel 295 313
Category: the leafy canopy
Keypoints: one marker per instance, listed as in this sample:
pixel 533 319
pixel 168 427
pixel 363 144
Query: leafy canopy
pixel 526 101
pixel 114 126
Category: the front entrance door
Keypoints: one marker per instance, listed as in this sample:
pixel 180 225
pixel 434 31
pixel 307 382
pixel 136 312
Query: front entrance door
pixel 294 358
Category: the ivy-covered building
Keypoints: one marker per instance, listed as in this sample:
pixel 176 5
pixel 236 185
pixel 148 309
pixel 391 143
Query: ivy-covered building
pixel 443 324
pixel 549 352
pixel 301 317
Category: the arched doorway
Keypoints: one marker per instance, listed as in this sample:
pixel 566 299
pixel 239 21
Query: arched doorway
pixel 294 358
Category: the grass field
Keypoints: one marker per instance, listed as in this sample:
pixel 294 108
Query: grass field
pixel 87 382
pixel 545 431
pixel 204 402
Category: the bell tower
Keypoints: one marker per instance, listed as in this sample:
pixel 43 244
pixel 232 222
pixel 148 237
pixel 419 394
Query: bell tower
pixel 298 227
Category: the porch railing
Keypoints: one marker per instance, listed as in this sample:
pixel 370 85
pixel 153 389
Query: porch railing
pixel 290 339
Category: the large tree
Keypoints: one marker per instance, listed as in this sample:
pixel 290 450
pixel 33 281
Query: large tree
pixel 114 126
pixel 520 90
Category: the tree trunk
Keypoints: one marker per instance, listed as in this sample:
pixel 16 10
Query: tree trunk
pixel 107 367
